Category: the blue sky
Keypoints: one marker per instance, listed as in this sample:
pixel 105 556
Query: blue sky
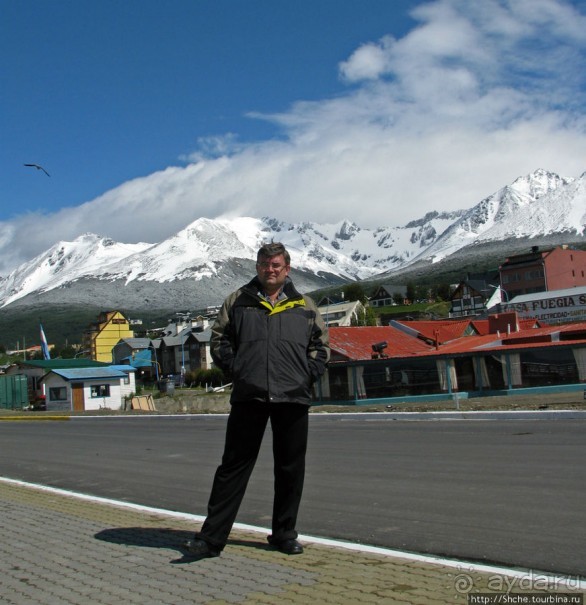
pixel 149 114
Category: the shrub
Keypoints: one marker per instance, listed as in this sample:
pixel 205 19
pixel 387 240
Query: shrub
pixel 213 377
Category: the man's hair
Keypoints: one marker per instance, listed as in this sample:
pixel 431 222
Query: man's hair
pixel 273 249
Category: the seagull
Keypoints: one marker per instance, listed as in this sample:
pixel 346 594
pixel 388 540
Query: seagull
pixel 38 168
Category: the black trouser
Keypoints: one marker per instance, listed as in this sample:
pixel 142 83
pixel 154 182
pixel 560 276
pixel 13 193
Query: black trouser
pixel 246 426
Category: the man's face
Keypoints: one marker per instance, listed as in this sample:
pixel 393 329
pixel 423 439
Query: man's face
pixel 272 272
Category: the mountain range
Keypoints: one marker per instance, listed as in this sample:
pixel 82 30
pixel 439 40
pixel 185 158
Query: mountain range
pixel 200 264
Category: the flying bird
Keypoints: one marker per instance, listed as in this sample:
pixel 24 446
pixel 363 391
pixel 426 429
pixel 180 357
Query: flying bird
pixel 38 168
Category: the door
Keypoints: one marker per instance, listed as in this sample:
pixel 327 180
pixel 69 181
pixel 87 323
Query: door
pixel 77 396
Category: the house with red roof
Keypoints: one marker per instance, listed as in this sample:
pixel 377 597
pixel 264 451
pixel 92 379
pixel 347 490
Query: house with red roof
pixel 436 360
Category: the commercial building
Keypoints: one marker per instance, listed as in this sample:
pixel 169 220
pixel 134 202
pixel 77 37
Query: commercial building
pixel 411 360
pixel 543 270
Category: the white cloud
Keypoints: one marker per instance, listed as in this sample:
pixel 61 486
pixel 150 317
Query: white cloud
pixel 474 96
pixel 213 147
pixel 368 62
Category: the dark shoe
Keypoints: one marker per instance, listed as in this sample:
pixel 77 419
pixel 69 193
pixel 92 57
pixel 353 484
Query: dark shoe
pixel 200 548
pixel 289 547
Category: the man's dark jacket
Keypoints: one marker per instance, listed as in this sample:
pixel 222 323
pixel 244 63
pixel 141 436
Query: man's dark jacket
pixel 271 354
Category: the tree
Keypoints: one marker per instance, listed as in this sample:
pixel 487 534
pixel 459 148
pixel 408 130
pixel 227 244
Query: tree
pixel 371 317
pixel 364 317
pixel 442 291
pixel 67 352
pixel 421 292
pixel 398 298
pixel 354 291
pixel 411 292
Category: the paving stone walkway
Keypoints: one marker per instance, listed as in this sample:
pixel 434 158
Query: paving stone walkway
pixel 58 549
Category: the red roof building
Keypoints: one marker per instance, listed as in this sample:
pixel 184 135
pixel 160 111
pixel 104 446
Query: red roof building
pixel 434 359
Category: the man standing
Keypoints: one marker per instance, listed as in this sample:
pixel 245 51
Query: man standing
pixel 274 344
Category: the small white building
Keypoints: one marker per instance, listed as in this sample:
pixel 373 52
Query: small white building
pixel 80 389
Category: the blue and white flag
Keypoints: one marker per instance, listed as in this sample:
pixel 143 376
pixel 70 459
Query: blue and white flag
pixel 44 345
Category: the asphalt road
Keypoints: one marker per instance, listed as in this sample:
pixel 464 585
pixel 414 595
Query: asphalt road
pixel 506 492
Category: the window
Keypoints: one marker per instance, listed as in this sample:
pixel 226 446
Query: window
pixel 534 274
pixel 100 390
pixel 511 277
pixel 58 393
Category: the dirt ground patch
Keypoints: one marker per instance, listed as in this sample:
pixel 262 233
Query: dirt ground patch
pixel 553 401
pixel 192 402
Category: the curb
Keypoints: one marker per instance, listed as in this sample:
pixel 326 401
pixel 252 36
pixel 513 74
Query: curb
pixel 33 418
pixel 496 415
pixel 398 416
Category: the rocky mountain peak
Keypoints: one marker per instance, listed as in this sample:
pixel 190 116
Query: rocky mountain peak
pixel 216 255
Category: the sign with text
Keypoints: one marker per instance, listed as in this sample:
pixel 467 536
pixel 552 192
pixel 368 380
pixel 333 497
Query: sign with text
pixel 554 309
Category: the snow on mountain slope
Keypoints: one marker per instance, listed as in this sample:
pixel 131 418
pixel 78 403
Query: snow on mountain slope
pixel 64 262
pixel 193 252
pixel 198 251
pixel 541 203
pixel 352 252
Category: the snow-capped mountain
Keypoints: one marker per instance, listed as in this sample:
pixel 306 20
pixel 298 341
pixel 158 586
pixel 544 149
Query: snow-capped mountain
pixel 539 204
pixel 203 262
pixel 200 252
pixel 63 263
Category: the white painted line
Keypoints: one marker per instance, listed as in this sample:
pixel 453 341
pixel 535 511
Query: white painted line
pixel 99 500
pixel 535 579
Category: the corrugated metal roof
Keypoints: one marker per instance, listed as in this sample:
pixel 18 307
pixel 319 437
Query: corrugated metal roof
pixel 51 364
pixel 123 368
pixel 89 373
pixel 543 337
pixel 355 343
pixel 141 358
pixel 481 326
pixel 440 330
